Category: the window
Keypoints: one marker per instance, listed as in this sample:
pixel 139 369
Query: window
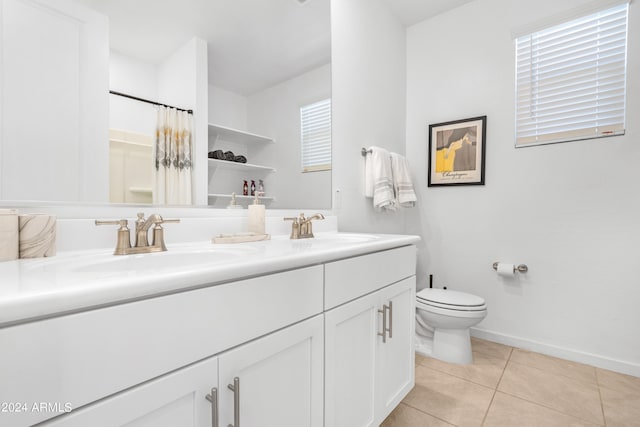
pixel 570 80
pixel 315 125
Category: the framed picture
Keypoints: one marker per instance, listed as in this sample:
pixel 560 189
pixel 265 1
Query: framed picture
pixel 456 152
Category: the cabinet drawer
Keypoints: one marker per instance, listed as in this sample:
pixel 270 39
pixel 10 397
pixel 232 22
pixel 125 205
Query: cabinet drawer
pixel 79 358
pixel 351 278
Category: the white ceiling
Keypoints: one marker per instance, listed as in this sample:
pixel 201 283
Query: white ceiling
pixel 413 11
pixel 252 44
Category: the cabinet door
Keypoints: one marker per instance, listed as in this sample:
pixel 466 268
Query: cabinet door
pixel 395 362
pixel 350 361
pixel 279 379
pixel 176 399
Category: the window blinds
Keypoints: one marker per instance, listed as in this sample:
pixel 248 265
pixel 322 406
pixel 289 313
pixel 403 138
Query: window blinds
pixel 315 123
pixel 570 79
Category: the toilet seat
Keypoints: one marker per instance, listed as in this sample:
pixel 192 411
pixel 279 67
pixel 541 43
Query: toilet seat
pixel 450 300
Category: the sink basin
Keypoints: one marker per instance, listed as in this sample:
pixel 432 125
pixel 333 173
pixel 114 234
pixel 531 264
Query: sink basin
pixel 162 261
pixel 178 257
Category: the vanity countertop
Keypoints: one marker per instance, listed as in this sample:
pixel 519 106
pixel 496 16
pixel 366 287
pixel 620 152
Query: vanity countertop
pixel 33 289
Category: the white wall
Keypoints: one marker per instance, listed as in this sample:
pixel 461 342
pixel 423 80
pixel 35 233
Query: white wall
pixel 53 102
pixel 569 211
pixel 227 108
pixel 276 112
pixel 368 102
pixel 133 77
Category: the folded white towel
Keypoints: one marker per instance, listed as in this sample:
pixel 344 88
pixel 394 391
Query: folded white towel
pixel 379 179
pixel 368 174
pixel 402 184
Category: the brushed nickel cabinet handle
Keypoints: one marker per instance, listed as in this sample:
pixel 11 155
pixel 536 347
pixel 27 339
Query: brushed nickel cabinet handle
pixel 383 334
pixel 390 329
pixel 213 398
pixel 235 388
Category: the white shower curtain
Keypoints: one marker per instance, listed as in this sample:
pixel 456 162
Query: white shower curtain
pixel 172 154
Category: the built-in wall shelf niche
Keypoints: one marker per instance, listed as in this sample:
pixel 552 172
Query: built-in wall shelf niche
pixel 235 135
pixel 227 176
pixel 237 166
pixel 264 200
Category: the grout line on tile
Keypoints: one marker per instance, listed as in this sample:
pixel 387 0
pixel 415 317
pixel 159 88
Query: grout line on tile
pixel 468 379
pixel 495 390
pixel 460 378
pixel 582 420
pixel 604 418
pixel 585 383
pixel 595 372
pixel 493 355
pixel 427 413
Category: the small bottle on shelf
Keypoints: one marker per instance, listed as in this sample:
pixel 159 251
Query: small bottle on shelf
pixel 253 188
pixel 260 188
pixel 245 188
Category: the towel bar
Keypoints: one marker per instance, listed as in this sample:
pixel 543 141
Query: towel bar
pixel 364 152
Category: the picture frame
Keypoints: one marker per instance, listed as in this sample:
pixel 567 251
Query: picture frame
pixel 457 152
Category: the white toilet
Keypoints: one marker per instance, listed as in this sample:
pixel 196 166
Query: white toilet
pixel 443 319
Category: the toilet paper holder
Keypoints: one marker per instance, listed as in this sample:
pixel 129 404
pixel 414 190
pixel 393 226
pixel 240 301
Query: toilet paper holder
pixel 522 268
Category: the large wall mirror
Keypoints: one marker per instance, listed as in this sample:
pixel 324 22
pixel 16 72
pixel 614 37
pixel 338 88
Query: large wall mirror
pixel 247 68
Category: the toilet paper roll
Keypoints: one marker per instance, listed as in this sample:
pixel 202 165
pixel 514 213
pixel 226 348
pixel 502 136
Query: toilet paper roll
pixel 506 270
pixel 37 235
pixel 8 234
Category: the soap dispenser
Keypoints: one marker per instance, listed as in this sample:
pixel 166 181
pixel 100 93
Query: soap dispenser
pixel 233 204
pixel 256 216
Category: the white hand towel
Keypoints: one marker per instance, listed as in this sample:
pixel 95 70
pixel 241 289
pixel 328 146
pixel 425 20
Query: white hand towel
pixel 368 174
pixel 380 179
pixel 402 184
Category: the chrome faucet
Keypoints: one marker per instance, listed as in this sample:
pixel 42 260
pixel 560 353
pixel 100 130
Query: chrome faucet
pixel 142 246
pixel 301 227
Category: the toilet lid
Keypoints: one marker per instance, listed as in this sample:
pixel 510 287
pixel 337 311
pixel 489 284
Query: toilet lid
pixel 455 299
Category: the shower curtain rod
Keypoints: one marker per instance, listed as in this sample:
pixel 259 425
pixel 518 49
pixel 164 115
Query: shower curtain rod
pixel 113 92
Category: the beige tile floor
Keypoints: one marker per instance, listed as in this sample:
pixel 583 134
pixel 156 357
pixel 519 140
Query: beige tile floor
pixel 510 387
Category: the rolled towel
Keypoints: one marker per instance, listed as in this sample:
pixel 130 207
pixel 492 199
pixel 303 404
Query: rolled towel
pixel 240 159
pixel 217 154
pixel 228 155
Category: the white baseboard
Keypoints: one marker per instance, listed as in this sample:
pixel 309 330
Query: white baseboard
pixel 603 362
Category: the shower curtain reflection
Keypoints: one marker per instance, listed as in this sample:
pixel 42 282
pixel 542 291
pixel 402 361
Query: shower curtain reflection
pixel 173 157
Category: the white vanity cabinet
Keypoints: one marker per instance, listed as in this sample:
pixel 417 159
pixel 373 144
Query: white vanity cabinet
pixel 81 358
pixel 369 365
pixel 325 343
pixel 277 380
pixel 175 399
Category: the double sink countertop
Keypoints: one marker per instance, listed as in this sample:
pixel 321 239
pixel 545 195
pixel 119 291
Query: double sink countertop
pixel 32 289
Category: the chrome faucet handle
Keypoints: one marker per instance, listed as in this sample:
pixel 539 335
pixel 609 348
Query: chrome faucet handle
pixel 123 244
pixel 295 227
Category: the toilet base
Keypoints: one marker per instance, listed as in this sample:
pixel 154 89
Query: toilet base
pixel 452 345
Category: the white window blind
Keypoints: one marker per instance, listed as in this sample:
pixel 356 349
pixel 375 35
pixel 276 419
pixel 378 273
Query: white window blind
pixel 571 79
pixel 315 124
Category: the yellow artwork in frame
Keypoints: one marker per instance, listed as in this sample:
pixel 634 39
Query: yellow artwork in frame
pixel 457 151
